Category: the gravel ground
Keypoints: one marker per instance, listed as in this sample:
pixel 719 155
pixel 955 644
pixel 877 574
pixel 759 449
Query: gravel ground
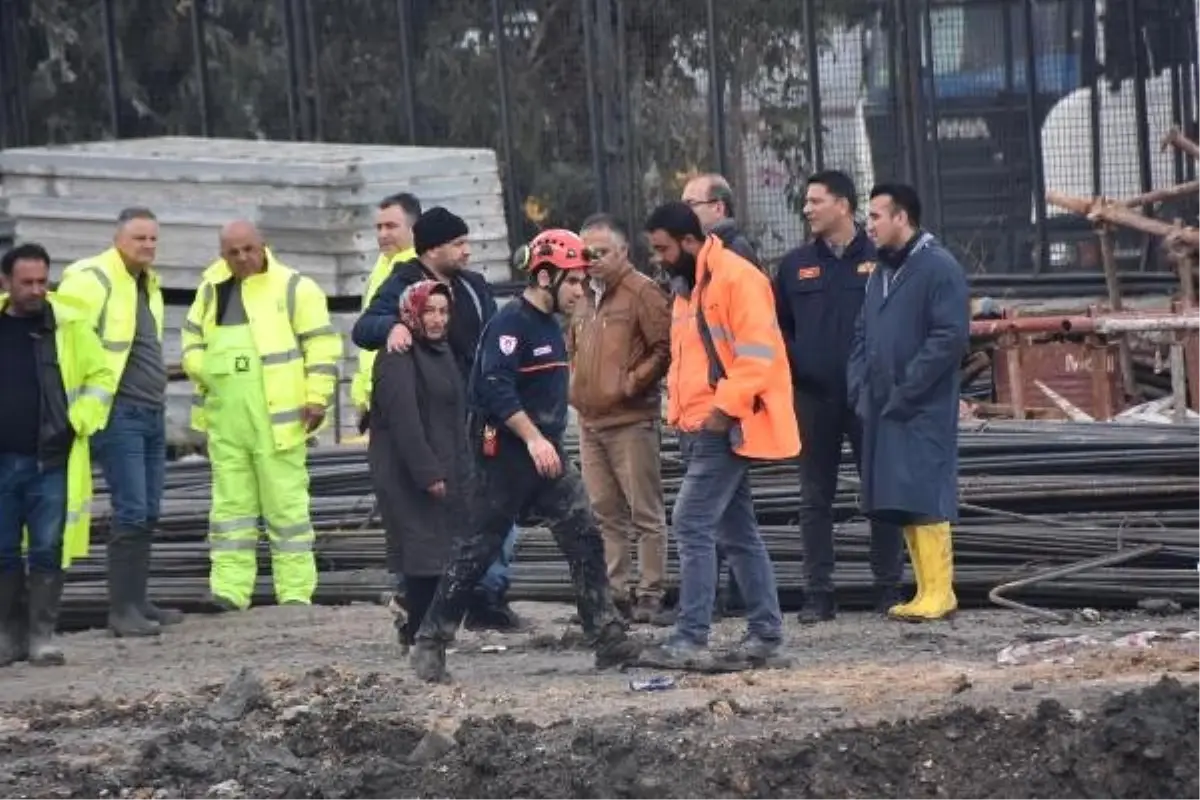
pixel 300 702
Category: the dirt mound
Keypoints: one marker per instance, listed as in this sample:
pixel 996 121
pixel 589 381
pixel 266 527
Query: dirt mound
pixel 352 739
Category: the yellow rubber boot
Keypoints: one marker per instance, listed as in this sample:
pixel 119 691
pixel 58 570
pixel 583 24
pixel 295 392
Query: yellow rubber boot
pixel 912 542
pixel 936 557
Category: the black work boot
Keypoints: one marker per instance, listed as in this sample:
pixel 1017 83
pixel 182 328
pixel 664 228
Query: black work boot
pixel 45 598
pixel 152 612
pixel 886 596
pixel 428 660
pixel 126 583
pixel 818 607
pixel 614 648
pixel 489 613
pixel 12 617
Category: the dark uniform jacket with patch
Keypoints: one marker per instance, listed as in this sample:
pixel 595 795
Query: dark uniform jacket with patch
pixel 818 296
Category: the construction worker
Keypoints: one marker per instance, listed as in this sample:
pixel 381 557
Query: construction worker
pixel 729 394
pixel 443 248
pixel 121 293
pixel 903 378
pixel 518 416
pixel 263 356
pixel 818 293
pixel 394 220
pixel 59 385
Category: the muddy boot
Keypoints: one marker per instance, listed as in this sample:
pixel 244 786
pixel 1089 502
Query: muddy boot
pixel 487 613
pixel 126 584
pixel 614 648
pixel 753 651
pixel 650 611
pixel 818 607
pixel 677 652
pixel 12 634
pixel 45 597
pixel 428 661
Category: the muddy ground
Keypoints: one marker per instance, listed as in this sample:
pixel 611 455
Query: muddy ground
pixel 297 702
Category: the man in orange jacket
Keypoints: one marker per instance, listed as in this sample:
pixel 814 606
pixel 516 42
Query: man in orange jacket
pixel 730 397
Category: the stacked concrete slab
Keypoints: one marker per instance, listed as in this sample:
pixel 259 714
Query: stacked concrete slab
pixel 313 201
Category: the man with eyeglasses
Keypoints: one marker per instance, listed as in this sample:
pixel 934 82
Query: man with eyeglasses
pixel 711 198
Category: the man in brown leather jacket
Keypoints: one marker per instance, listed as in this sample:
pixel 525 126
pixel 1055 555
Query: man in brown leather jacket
pixel 619 344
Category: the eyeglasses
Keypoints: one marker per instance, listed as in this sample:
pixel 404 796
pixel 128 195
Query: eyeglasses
pixel 695 203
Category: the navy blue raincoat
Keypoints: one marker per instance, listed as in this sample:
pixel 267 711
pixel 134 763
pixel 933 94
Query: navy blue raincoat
pixel 903 378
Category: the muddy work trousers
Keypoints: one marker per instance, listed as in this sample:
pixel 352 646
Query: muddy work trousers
pixel 508 489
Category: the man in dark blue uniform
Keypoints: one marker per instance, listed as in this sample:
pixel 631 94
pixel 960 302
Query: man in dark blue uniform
pixel 818 294
pixel 518 402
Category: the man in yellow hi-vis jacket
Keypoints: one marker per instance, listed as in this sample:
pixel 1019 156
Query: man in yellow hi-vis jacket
pixel 394 220
pixel 259 347
pixel 59 385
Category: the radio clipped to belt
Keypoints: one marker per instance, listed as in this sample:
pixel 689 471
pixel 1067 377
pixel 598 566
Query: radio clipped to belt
pixel 491 444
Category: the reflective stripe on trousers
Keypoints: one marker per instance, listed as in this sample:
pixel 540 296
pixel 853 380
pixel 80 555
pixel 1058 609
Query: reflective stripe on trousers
pixel 252 480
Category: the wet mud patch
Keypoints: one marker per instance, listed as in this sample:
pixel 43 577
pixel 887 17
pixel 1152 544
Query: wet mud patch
pixel 325 736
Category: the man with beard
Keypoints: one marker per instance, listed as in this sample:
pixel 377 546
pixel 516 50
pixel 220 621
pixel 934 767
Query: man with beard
pixel 440 239
pixel 818 294
pixel 518 416
pixel 730 397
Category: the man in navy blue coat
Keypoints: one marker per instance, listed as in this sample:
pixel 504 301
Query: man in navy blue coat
pixel 904 383
pixel 818 295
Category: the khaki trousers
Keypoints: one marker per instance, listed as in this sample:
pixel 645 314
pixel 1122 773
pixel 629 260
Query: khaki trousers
pixel 622 474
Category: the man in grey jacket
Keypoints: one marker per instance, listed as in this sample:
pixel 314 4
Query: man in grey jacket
pixel 711 197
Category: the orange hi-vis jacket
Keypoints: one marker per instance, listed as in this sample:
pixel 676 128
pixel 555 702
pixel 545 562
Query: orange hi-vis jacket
pixel 752 383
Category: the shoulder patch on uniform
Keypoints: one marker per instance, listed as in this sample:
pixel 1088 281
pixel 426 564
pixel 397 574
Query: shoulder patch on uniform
pixel 866 268
pixel 808 273
pixel 508 344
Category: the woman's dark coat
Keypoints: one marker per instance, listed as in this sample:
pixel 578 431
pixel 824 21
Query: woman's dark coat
pixel 418 437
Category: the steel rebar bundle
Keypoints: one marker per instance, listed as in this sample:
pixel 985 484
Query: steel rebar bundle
pixel 1034 495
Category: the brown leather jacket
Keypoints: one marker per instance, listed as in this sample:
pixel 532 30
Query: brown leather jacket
pixel 619 352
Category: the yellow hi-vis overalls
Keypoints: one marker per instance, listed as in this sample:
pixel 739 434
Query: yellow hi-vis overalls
pixel 252 383
pixel 252 479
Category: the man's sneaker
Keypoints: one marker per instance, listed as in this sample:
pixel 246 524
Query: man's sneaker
pixel 754 650
pixel 676 652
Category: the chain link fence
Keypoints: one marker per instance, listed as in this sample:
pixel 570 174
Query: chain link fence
pixel 613 104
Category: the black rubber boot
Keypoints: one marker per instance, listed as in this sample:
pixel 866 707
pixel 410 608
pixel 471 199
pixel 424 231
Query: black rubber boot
pixel 818 607
pixel 487 613
pixel 886 597
pixel 45 598
pixel 126 587
pixel 12 618
pixel 152 612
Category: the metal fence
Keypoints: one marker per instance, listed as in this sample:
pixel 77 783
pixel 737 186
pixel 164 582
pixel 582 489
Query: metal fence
pixel 612 104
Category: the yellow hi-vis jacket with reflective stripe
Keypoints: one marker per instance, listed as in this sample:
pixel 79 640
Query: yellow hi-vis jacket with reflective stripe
pixel 299 348
pixel 108 294
pixel 360 387
pixel 90 383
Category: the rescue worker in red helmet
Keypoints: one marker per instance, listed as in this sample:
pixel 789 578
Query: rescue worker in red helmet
pixel 517 400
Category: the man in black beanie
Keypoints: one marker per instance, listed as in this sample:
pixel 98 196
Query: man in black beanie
pixel 440 239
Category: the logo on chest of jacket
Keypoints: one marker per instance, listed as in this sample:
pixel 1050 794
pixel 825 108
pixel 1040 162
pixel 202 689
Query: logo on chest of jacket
pixel 241 364
pixel 508 345
pixel 544 350
pixel 866 268
pixel 808 273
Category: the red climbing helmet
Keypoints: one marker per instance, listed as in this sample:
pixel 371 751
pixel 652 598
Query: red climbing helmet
pixel 556 248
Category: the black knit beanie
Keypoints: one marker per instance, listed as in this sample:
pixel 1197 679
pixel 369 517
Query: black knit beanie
pixel 436 227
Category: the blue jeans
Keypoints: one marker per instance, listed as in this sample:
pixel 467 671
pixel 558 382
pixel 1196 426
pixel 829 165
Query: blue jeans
pixel 33 501
pixel 714 504
pixel 495 581
pixel 132 451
